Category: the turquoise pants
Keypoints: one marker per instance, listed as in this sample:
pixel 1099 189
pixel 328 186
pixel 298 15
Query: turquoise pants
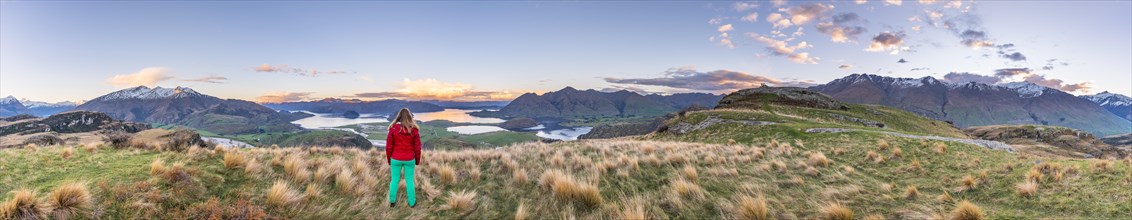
pixel 396 167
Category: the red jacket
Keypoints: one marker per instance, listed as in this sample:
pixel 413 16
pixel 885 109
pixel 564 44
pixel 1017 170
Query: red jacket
pixel 403 146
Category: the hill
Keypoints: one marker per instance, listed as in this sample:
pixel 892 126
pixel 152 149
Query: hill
pixel 975 104
pixel 332 105
pixel 572 103
pixel 10 106
pixel 1050 141
pixel 184 106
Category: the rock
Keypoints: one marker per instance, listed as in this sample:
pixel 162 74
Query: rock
pixel 518 123
pixel 865 122
pixel 684 127
pixel 755 98
pixel 44 140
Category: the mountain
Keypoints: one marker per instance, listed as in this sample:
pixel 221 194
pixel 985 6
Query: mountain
pixel 467 104
pixel 184 106
pixel 10 106
pixel 976 104
pixel 333 105
pixel 1116 103
pixel 44 109
pixel 570 102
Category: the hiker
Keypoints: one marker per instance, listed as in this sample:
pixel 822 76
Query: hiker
pixel 403 154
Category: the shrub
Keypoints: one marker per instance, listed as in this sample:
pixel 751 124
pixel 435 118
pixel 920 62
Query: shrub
pixel 67 152
pixel 281 195
pixel 835 211
pixel 23 205
pixel 748 207
pixel 461 201
pixel 1027 188
pixel 967 211
pixel 234 160
pixel 117 139
pixel 940 148
pixel 68 201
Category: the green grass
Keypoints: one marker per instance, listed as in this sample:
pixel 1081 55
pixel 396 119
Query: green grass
pixel 437 132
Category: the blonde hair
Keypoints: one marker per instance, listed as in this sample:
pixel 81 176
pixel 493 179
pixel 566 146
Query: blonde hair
pixel 405 118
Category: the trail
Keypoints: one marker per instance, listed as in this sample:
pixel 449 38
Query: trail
pixel 993 145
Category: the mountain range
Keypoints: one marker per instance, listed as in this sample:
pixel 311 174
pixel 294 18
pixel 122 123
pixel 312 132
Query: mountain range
pixel 572 103
pixel 334 105
pixel 1118 104
pixel 975 104
pixel 184 106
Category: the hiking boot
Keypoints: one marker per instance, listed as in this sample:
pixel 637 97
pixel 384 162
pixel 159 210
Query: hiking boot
pixel 391 204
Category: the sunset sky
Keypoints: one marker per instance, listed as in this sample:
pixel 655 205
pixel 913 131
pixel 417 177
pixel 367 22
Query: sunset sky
pixel 287 51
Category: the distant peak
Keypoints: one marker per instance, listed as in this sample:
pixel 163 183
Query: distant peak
pixel 568 88
pixel 144 92
pixel 8 99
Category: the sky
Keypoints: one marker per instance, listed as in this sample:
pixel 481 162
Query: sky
pixel 294 50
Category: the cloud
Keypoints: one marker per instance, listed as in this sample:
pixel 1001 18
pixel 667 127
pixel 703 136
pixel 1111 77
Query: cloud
pixel 845 66
pixel 1028 75
pixel 208 79
pixel 1016 56
pixel 805 13
pixel 778 21
pixel 778 2
pixel 927 2
pixel 284 68
pixel 743 6
pixel 145 77
pixel 715 21
pixel 279 97
pixel 1051 63
pixel 435 89
pixel 964 77
pixel 919 69
pixel 753 17
pixel 839 28
pixel 893 2
pixel 781 48
pixel 725 28
pixel 887 41
pixel 859 2
pixel 718 80
pixel 975 39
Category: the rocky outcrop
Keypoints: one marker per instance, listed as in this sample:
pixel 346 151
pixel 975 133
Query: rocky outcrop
pixel 993 145
pixel 685 127
pixel 865 122
pixel 1068 139
pixel 70 122
pixel 755 98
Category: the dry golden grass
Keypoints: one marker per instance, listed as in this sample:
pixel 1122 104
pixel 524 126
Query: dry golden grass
pixel 23 205
pixel 897 152
pixel 253 168
pixel 967 183
pixel 939 148
pixel 886 187
pixel 747 207
pixel 965 210
pixel 689 172
pixel 687 189
pixel 233 160
pixel 871 155
pixel 1027 188
pixel 296 167
pixel 911 192
pixel 281 195
pixel 632 209
pixel 447 174
pixel 874 217
pixel 882 144
pixel 314 190
pixel 67 152
pixel 835 211
pixel 1102 165
pixel 945 197
pixel 521 212
pixel 566 188
pixel 345 181
pixel 818 159
pixel 915 165
pixel 90 148
pixel 461 201
pixel 69 201
pixel 157 167
pixel 519 176
pixel 1034 175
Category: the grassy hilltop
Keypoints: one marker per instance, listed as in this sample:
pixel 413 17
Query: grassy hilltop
pixel 728 170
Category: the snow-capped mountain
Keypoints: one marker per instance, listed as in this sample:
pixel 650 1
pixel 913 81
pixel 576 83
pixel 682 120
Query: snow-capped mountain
pixel 10 106
pixel 185 106
pixel 33 104
pixel 44 109
pixel 974 104
pixel 143 92
pixel 1118 104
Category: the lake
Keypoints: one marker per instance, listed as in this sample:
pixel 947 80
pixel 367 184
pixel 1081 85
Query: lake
pixel 547 129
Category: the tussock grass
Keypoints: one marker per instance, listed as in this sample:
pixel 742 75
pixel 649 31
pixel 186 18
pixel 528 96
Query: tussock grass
pixel 818 159
pixel 965 210
pixel 281 195
pixel 462 201
pixel 157 167
pixel 69 201
pixel 447 174
pixel 1027 188
pixel 67 152
pixel 233 160
pixel 747 207
pixel 690 173
pixel 911 192
pixel 24 205
pixel 835 211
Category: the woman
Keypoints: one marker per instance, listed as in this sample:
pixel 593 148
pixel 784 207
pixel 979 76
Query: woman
pixel 403 154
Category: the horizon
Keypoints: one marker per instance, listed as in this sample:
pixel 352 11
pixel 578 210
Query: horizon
pixel 298 51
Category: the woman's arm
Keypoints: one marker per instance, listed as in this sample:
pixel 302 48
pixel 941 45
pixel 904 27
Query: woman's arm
pixel 389 145
pixel 417 145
